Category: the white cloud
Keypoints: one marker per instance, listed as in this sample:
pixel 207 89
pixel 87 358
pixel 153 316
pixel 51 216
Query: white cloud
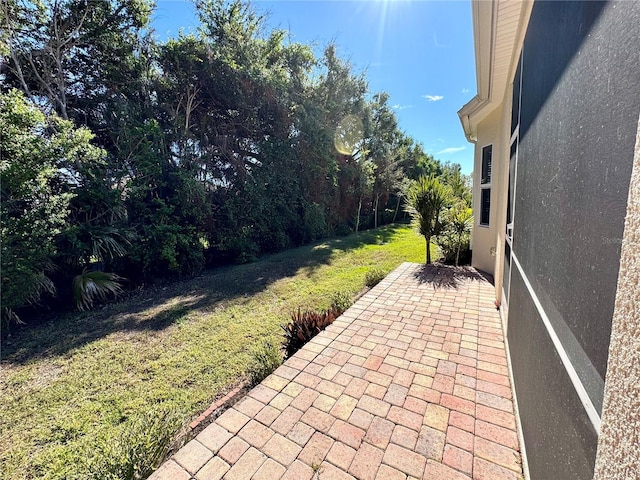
pixel 465 91
pixel 433 98
pixel 397 106
pixel 451 150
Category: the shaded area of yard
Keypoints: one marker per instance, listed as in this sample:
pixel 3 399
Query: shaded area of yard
pixel 69 387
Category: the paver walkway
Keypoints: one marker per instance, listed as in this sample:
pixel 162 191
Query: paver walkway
pixel 411 382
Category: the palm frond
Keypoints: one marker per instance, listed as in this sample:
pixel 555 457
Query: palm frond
pixel 90 286
pixel 33 284
pixel 109 242
pixel 426 200
pixel 9 316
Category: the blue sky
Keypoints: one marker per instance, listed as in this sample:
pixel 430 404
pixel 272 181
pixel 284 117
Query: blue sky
pixel 419 51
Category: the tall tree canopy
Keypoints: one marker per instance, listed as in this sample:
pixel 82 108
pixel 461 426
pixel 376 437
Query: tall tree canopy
pixel 160 158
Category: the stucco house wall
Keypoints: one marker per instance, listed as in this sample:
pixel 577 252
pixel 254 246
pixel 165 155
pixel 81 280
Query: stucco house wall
pixel 575 110
pixel 484 237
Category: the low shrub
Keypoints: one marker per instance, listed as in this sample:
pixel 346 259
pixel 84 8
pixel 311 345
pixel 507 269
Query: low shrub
pixel 266 359
pixel 374 277
pixel 304 326
pixel 448 245
pixel 341 300
pixel 138 451
pixel 342 230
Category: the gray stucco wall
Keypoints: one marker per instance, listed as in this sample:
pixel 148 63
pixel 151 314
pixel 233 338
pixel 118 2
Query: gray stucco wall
pixel 578 125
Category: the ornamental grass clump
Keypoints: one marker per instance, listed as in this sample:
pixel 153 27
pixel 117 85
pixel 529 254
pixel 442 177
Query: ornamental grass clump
pixel 341 300
pixel 265 360
pixel 374 277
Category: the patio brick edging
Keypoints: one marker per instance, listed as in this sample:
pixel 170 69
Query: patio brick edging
pixel 218 404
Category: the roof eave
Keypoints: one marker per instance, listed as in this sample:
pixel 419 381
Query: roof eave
pixel 474 105
pixel 496 23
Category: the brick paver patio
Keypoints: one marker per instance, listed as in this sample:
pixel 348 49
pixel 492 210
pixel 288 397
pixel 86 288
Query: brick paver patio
pixel 411 382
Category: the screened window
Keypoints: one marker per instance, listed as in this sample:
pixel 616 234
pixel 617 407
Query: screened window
pixel 485 185
pixel 486 164
pixel 485 206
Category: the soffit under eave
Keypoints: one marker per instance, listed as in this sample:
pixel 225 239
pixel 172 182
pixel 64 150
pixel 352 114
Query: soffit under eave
pixel 499 27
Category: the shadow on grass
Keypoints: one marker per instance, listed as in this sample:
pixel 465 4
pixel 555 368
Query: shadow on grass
pixel 155 309
pixel 449 276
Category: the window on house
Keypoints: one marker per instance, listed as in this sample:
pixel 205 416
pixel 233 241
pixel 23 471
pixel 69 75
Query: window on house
pixel 485 206
pixel 485 185
pixel 486 164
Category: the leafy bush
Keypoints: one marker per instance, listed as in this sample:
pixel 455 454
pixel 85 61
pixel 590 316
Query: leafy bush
pixel 304 326
pixel 374 277
pixel 315 224
pixel 455 240
pixel 138 451
pixel 265 360
pixel 341 300
pixel 342 230
pixel 44 161
pixel 241 246
pixel 448 244
pixel 165 250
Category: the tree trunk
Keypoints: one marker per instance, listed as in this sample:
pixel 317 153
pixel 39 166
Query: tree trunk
pixel 458 250
pixel 428 239
pixel 395 214
pixel 375 212
pixel 358 217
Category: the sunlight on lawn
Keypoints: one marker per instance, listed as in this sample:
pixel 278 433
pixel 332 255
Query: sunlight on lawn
pixel 71 386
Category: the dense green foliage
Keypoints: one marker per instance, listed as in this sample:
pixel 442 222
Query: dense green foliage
pixel 206 149
pixel 47 169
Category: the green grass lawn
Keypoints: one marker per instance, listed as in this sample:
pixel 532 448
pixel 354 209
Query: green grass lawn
pixel 70 387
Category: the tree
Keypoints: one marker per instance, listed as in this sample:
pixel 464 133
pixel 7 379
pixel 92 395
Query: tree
pixel 66 54
pixel 44 161
pixel 426 202
pixel 460 184
pixel 386 149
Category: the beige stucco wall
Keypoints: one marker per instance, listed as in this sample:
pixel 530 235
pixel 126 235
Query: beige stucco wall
pixel 484 238
pixel 502 187
pixel 618 456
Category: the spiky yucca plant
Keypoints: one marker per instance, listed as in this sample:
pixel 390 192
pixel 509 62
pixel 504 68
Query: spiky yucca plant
pixel 427 201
